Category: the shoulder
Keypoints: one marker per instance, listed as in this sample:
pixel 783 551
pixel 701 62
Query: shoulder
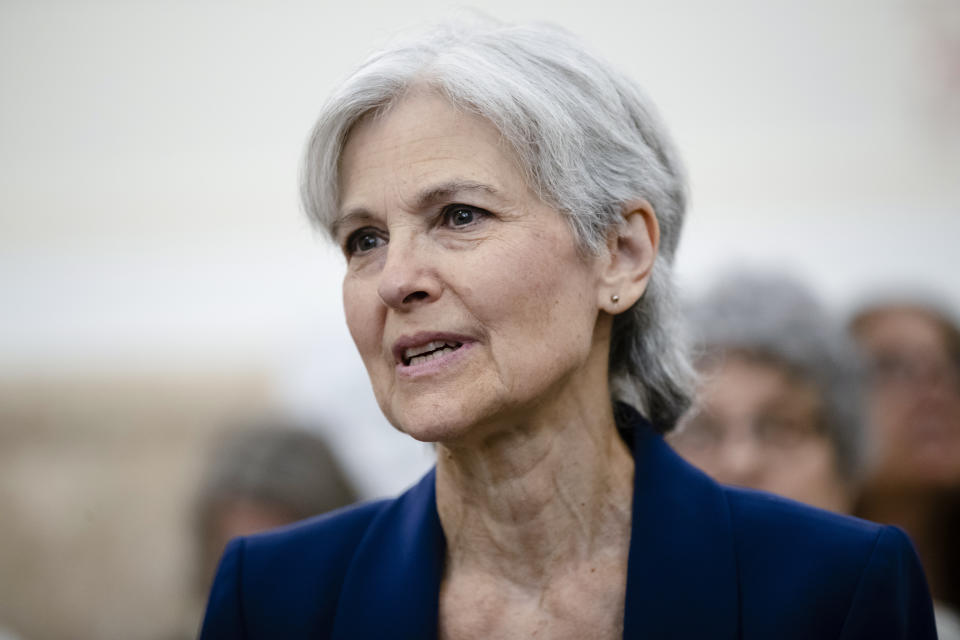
pixel 755 565
pixel 823 572
pixel 287 581
pixel 767 523
pixel 317 541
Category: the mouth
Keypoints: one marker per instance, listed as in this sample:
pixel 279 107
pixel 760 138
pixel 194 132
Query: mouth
pixel 412 351
pixel 434 349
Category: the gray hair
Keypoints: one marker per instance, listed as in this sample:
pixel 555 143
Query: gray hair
pixel 589 142
pixel 775 318
pixel 270 462
pixel 277 463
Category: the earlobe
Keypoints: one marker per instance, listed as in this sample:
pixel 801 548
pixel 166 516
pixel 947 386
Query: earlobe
pixel 631 250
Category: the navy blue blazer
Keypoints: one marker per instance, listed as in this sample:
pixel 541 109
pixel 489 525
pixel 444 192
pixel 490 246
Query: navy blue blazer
pixel 705 561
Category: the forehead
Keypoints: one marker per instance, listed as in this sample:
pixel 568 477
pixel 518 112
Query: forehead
pixel 904 330
pixel 419 141
pixel 742 381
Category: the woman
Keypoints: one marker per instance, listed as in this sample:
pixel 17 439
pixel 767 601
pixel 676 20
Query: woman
pixel 509 207
pixel 779 403
pixel 913 354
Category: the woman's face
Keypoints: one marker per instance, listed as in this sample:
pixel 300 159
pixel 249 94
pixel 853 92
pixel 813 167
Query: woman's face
pixel 758 426
pixel 914 401
pixel 464 293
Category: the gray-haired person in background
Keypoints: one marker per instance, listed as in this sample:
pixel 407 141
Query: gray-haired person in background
pixel 779 406
pixel 258 475
pixel 262 476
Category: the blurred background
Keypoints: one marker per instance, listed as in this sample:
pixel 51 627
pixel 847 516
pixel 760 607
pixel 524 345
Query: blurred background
pixel 159 283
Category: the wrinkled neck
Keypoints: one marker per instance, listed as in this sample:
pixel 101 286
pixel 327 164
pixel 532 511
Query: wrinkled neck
pixel 531 500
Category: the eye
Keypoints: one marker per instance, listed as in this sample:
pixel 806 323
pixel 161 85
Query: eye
pixel 364 240
pixel 772 428
pixel 782 431
pixel 462 215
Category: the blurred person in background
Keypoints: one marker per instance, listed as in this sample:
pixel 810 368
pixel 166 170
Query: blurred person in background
pixel 779 407
pixel 913 355
pixel 261 476
pixel 508 206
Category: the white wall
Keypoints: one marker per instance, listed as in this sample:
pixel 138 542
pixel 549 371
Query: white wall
pixel 149 154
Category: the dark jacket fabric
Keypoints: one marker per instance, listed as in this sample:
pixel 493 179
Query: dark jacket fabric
pixel 705 561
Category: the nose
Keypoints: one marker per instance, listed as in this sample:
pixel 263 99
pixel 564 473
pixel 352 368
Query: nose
pixel 408 277
pixel 742 462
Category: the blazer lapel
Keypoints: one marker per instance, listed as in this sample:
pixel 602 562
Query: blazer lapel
pixel 391 589
pixel 681 573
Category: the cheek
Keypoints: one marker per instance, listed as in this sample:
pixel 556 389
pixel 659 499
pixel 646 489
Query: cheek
pixel 529 276
pixel 888 422
pixel 814 467
pixel 535 302
pixel 361 315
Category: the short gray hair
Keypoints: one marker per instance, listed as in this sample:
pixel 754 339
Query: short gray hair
pixel 589 142
pixel 773 317
pixel 278 463
pixel 272 462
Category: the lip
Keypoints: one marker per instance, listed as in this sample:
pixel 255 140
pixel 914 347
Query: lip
pixel 423 337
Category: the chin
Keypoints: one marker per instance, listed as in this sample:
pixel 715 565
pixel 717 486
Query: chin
pixel 437 427
pixel 435 420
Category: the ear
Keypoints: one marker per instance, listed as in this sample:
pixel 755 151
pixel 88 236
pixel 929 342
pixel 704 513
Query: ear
pixel 631 249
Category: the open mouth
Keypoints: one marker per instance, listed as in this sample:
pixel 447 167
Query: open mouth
pixel 430 351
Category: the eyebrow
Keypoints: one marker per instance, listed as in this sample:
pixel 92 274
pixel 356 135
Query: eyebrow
pixel 427 197
pixel 446 190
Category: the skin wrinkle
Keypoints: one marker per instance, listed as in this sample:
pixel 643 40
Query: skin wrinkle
pixel 550 498
pixel 517 478
pixel 541 556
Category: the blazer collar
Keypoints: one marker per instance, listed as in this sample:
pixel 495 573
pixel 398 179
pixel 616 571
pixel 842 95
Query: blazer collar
pixel 392 587
pixel 681 572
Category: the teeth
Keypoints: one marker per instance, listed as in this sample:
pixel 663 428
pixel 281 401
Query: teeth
pixel 416 351
pixel 433 355
pixel 428 352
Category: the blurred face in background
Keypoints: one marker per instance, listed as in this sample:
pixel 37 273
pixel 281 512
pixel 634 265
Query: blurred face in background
pixel 757 425
pixel 914 402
